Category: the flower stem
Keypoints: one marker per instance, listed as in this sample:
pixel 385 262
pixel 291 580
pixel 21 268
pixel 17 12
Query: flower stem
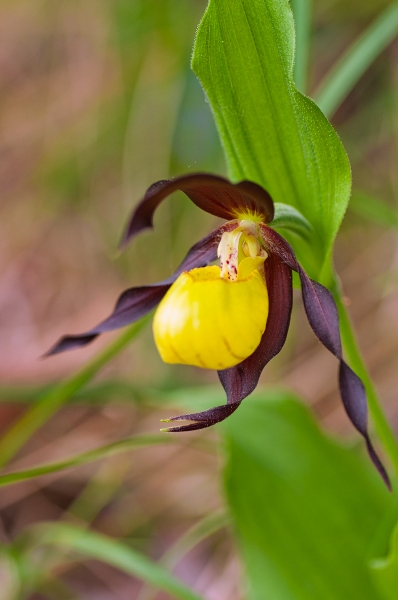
pixel 350 345
pixel 50 402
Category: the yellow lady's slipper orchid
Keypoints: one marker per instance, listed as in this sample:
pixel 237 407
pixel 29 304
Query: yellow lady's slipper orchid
pixel 233 318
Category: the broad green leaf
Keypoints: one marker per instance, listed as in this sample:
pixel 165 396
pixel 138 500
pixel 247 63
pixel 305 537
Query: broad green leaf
pixel 96 546
pixel 305 509
pixel 272 134
pixel 385 570
pixel 357 59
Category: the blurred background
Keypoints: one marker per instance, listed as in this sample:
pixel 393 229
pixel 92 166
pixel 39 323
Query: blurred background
pixel 97 101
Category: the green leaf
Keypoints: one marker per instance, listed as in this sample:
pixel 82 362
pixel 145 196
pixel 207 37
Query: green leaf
pixel 374 210
pixel 51 401
pixel 356 60
pixel 93 545
pixel 95 393
pixel 203 529
pixel 9 575
pixel 271 133
pixel 302 10
pixel 385 570
pixel 287 217
pixel 138 441
pixel 305 509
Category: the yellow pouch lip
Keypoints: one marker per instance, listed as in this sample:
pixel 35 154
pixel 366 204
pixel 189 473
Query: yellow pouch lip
pixel 210 322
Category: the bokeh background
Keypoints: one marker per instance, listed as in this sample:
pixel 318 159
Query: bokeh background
pixel 97 101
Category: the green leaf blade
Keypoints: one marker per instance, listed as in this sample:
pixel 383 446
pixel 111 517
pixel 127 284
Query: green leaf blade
pixel 304 508
pixel 357 59
pixel 271 133
pixel 373 209
pixel 385 570
pixel 302 12
pixel 126 445
pixel 287 217
pixel 97 546
pixel 18 434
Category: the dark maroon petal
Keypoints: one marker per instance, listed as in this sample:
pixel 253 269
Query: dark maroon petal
pixel 211 193
pixel 203 419
pixel 276 244
pixel 323 317
pixel 136 302
pixel 321 313
pixel 352 387
pixel 241 380
pixel 133 304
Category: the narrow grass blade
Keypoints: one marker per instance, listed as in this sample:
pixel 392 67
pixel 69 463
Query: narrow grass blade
pixel 356 60
pixel 302 10
pixel 94 394
pixel 374 210
pixel 139 441
pixel 48 404
pixel 200 531
pixel 99 547
pixel 196 534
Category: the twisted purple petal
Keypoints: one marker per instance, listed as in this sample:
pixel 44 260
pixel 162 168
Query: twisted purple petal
pixel 204 419
pixel 323 318
pixel 136 302
pixel 211 193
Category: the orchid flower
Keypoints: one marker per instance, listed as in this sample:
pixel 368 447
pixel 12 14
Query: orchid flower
pixel 232 318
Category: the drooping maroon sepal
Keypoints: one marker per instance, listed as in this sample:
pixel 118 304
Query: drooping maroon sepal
pixel 323 318
pixel 204 419
pixel 136 302
pixel 133 304
pixel 352 387
pixel 241 380
pixel 211 193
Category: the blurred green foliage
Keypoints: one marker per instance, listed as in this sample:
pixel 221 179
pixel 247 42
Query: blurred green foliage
pixel 306 510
